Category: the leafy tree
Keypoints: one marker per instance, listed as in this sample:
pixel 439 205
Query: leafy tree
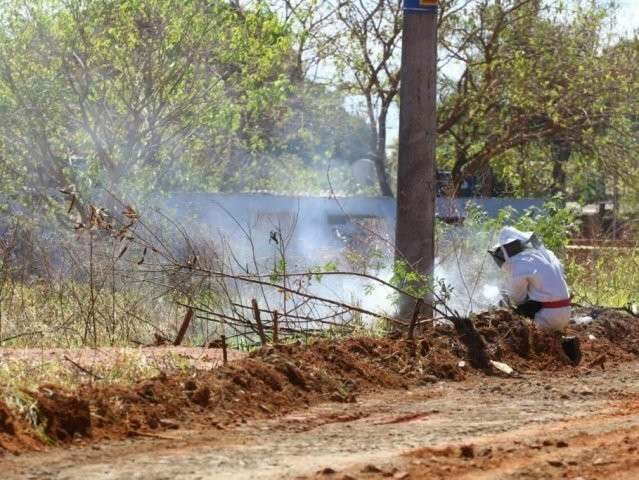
pixel 544 79
pixel 161 95
pixel 368 65
pixel 311 22
pixel 527 88
pixel 141 95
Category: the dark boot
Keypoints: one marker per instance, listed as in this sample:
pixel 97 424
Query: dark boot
pixel 572 348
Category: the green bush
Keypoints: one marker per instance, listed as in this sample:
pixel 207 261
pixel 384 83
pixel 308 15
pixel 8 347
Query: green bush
pixel 552 223
pixel 607 277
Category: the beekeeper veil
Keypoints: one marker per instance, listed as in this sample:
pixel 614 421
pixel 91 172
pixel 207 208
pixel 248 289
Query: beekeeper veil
pixel 512 242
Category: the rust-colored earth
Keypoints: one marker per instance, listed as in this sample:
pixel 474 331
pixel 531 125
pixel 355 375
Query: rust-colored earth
pixel 298 410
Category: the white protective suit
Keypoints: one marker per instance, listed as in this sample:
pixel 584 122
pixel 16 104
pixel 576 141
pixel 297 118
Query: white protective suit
pixel 537 274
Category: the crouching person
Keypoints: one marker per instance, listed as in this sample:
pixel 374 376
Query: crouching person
pixel 536 286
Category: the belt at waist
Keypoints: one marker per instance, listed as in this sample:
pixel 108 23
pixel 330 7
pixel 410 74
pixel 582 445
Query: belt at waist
pixel 556 304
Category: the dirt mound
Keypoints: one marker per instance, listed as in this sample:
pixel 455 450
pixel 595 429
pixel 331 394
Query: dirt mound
pixel 278 379
pixel 612 336
pixel 270 381
pixel 65 416
pixel 618 327
pixel 14 432
pixel 515 340
pixel 6 421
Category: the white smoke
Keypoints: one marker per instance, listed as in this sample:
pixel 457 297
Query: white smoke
pixel 258 231
pixel 464 266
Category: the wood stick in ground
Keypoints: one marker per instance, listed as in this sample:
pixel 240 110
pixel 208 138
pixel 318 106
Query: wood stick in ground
pixel 325 320
pixel 184 327
pixel 300 317
pixel 276 329
pixel 225 318
pixel 225 358
pixel 258 321
pixel 411 327
pixel 255 280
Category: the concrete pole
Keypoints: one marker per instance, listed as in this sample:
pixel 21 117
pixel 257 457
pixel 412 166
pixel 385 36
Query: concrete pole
pixel 416 183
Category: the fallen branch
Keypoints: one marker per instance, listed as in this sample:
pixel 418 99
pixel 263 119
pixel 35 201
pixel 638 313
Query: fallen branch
pixel 474 342
pixel 83 369
pixel 411 327
pixel 20 335
pixel 184 327
pixel 597 309
pixel 135 433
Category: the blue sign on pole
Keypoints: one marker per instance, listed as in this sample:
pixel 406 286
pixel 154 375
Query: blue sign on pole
pixel 420 6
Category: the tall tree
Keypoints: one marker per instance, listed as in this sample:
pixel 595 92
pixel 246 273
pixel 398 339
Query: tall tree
pixel 368 65
pixel 535 75
pixel 137 90
pixel 515 75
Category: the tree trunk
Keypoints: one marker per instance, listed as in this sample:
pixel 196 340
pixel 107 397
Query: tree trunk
pixel 561 151
pixel 487 186
pixel 456 173
pixel 380 155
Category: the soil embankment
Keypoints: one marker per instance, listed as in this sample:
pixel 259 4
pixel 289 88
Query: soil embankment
pixel 512 424
pixel 275 381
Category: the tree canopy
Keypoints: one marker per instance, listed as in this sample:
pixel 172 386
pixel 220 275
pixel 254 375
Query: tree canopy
pixel 536 97
pixel 541 89
pixel 159 95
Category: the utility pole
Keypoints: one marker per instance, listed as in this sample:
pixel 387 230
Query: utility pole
pixel 416 182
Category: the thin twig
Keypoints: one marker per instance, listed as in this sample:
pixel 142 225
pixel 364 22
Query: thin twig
pixel 83 369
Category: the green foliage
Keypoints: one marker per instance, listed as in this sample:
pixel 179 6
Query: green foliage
pixel 553 223
pixel 607 277
pixel 412 282
pixel 141 96
pixel 279 270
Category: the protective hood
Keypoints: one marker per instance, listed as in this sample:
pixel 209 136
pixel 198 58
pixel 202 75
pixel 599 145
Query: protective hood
pixel 510 234
pixel 511 242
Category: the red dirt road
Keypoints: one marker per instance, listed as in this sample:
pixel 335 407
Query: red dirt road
pixel 535 427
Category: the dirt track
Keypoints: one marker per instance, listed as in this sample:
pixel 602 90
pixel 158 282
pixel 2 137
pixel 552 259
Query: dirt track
pixel 593 414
